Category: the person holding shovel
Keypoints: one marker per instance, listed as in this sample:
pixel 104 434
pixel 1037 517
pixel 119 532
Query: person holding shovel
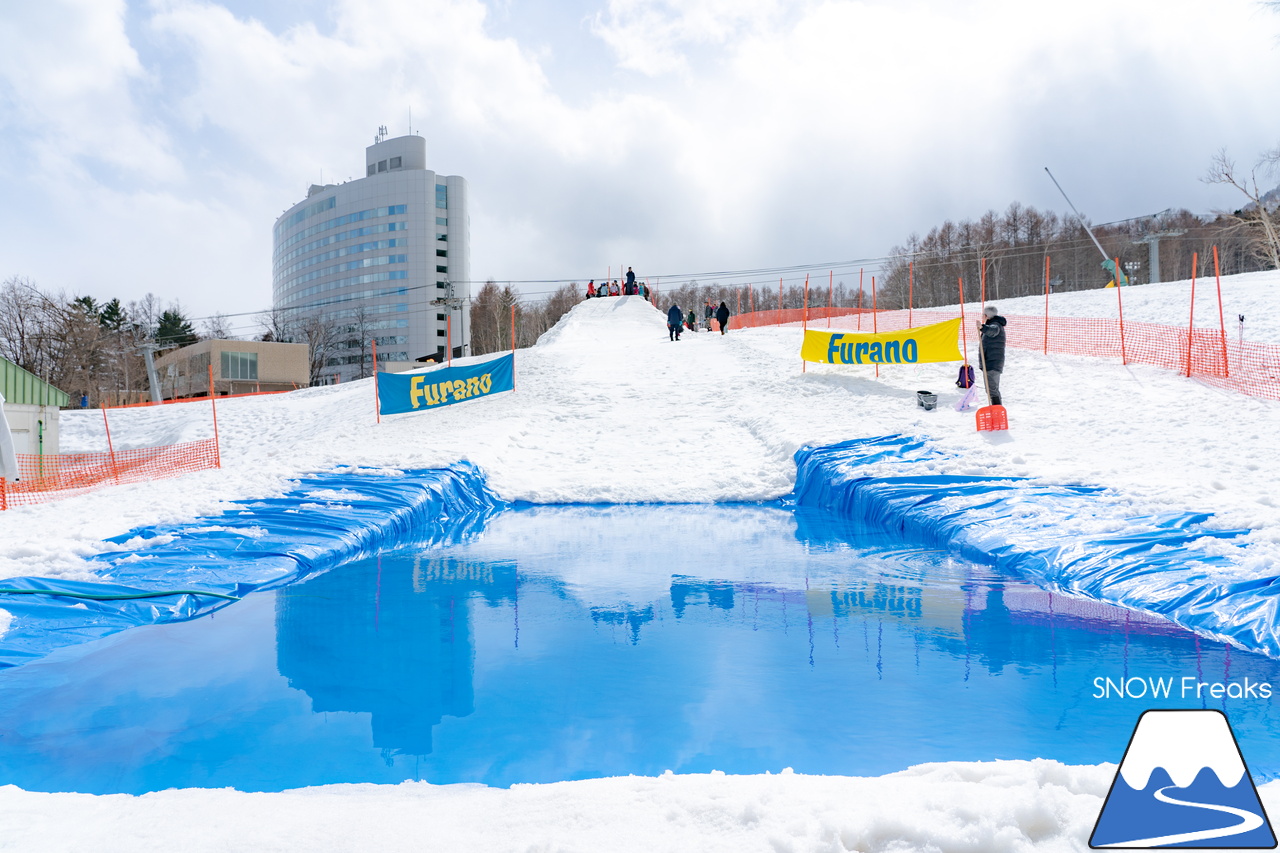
pixel 991 351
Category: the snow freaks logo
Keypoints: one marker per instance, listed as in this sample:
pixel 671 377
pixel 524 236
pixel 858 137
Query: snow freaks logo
pixel 1183 783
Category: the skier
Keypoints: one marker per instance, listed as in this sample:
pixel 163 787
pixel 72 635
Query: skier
pixel 674 318
pixel 722 317
pixel 991 351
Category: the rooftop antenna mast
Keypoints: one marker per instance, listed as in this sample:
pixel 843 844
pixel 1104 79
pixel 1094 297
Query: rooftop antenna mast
pixel 1107 263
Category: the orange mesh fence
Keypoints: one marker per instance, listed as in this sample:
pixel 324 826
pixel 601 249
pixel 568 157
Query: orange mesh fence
pixel 1205 354
pixel 47 478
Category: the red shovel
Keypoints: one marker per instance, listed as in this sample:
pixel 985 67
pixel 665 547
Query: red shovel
pixel 990 417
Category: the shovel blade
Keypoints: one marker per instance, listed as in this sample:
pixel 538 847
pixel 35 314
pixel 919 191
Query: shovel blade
pixel 992 418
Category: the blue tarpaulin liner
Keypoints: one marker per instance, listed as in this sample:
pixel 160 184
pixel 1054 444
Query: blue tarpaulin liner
pixel 326 520
pixel 1080 539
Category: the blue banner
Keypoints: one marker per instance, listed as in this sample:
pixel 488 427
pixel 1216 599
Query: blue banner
pixel 399 393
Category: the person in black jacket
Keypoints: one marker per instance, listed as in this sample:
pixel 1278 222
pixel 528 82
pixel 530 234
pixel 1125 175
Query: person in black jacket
pixel 991 351
pixel 675 319
pixel 722 317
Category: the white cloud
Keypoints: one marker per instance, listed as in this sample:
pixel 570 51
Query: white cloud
pixel 788 132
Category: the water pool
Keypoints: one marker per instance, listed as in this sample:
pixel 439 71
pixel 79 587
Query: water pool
pixel 553 643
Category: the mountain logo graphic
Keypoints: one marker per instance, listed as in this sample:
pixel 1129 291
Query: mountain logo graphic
pixel 1183 783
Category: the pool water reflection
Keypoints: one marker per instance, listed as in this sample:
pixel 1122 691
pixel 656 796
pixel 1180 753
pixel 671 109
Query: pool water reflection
pixel 573 642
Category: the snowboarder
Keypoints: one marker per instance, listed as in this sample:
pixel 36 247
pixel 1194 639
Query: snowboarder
pixel 631 281
pixel 722 317
pixel 674 318
pixel 991 351
pixel 691 321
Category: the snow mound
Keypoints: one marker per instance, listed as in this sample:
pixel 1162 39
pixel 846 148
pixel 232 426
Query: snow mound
pixel 628 318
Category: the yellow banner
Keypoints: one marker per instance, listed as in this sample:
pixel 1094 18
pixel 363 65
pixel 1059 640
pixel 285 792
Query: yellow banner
pixel 936 342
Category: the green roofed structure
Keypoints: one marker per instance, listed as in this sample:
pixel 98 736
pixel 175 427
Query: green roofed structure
pixel 31 409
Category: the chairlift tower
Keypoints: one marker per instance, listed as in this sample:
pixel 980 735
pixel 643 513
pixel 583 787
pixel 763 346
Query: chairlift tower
pixel 1153 250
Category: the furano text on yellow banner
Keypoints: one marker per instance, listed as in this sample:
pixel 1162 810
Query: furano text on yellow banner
pixel 932 343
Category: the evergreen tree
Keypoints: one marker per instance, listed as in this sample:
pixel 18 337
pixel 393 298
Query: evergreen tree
pixel 175 329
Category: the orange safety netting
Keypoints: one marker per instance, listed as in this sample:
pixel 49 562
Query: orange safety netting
pixel 1205 354
pixel 50 477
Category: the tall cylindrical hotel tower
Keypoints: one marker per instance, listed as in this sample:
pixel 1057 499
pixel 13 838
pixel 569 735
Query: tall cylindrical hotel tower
pixel 383 257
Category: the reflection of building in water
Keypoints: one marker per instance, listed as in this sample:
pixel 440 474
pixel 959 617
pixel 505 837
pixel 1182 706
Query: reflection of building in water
pixel 625 614
pixel 390 637
pixel 686 591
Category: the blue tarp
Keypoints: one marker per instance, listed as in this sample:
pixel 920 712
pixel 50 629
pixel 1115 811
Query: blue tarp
pixel 1079 539
pixel 326 520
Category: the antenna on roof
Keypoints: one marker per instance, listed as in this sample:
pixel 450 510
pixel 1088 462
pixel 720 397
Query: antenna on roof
pixel 411 119
pixel 381 135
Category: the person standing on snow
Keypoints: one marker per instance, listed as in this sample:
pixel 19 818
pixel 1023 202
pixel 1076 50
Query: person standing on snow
pixel 591 288
pixel 674 319
pixel 708 312
pixel 631 281
pixel 722 317
pixel 691 321
pixel 991 351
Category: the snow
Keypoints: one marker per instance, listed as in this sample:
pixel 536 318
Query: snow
pixel 983 808
pixel 608 410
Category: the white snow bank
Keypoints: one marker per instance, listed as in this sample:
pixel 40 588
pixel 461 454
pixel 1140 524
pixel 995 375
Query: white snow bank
pixel 980 807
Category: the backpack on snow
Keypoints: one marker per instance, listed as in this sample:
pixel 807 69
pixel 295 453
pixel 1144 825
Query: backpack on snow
pixel 965 379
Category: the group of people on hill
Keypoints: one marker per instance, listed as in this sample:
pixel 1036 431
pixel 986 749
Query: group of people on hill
pixel 678 320
pixel 628 287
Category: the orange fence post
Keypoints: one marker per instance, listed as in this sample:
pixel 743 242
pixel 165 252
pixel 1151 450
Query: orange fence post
pixel 213 401
pixel 377 398
pixel 4 501
pixel 831 294
pixel 1046 304
pixel 804 367
pixel 1124 356
pixel 859 300
pixel 911 280
pixel 1217 274
pixel 111 450
pixel 964 331
pixel 1191 319
pixel 779 299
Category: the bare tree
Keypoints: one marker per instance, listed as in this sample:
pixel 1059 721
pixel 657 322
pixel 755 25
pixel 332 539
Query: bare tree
pixel 217 327
pixel 1258 217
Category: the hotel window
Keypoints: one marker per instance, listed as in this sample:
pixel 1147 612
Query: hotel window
pixel 442 196
pixel 382 165
pixel 395 162
pixel 372 168
pixel 440 220
pixel 442 253
pixel 442 269
pixel 239 365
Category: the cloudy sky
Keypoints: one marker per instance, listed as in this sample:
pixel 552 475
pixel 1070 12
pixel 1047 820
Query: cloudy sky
pixel 149 145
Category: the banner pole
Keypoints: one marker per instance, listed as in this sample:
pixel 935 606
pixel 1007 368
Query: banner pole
pixel 1046 304
pixel 377 398
pixel 1217 273
pixel 1191 319
pixel 911 282
pixel 1124 356
pixel 875 320
pixel 213 401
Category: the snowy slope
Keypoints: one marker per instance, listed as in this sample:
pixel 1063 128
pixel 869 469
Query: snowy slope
pixel 607 409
